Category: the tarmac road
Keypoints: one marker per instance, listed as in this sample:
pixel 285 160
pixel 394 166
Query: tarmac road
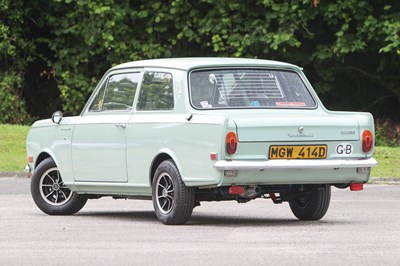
pixel 360 228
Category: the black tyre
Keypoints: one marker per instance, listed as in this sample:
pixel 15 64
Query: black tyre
pixel 312 205
pixel 173 202
pixel 49 192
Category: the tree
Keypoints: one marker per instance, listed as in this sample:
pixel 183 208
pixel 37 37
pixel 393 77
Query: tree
pixel 349 49
pixel 15 51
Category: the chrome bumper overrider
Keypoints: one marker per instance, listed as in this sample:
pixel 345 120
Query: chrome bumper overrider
pixel 294 164
pixel 27 169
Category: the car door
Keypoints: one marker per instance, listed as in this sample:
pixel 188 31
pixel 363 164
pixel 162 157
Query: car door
pixel 99 136
pixel 152 125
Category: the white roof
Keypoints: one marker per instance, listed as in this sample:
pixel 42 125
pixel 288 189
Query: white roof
pixel 201 62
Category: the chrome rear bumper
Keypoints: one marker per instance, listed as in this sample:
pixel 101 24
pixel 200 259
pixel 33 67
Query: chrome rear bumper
pixel 293 164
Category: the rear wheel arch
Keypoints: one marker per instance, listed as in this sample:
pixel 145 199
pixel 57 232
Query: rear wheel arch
pixel 156 162
pixel 173 202
pixel 311 205
pixel 162 156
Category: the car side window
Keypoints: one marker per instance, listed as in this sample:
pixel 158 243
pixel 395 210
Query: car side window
pixel 156 92
pixel 117 93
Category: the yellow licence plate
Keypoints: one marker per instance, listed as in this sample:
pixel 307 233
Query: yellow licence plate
pixel 298 152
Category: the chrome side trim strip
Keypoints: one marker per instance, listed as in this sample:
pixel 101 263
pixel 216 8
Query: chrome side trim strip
pixel 293 164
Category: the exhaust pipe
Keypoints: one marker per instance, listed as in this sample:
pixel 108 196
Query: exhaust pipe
pixel 251 192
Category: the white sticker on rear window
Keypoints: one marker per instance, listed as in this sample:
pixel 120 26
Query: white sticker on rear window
pixel 205 104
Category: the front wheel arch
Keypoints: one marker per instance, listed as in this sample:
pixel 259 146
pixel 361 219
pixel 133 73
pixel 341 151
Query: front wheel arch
pixel 49 192
pixel 41 157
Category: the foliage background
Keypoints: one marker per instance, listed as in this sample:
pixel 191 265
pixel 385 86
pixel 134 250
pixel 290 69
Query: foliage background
pixel 53 52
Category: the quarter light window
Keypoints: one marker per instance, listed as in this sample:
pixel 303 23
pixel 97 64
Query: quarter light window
pixel 117 94
pixel 156 92
pixel 248 88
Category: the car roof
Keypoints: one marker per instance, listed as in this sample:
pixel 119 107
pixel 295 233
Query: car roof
pixel 188 63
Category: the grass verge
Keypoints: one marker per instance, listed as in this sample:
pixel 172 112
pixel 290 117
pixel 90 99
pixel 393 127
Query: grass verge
pixel 12 148
pixel 13 154
pixel 388 162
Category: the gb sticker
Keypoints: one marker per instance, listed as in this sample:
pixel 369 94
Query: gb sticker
pixel 344 149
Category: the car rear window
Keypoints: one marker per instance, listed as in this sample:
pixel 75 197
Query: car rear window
pixel 248 88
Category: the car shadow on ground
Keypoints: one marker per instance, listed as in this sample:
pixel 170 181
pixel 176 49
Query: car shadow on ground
pixel 149 216
pixel 212 220
pixel 207 219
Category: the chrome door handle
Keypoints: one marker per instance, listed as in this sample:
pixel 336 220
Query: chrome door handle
pixel 123 126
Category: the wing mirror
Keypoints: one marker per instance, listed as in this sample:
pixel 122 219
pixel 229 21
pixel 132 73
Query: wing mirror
pixel 57 117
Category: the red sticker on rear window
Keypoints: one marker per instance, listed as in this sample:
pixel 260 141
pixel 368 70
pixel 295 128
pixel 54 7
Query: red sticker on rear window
pixel 291 104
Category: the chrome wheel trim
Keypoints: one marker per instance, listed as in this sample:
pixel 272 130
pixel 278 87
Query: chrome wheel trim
pixel 52 188
pixel 165 193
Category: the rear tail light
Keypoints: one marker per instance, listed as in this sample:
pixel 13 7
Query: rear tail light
pixel 367 141
pixel 231 143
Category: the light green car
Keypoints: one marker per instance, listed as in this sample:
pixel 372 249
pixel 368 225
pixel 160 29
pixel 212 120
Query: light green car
pixel 181 131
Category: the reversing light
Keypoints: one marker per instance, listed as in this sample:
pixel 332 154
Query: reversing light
pixel 367 141
pixel 363 170
pixel 231 143
pixel 231 173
